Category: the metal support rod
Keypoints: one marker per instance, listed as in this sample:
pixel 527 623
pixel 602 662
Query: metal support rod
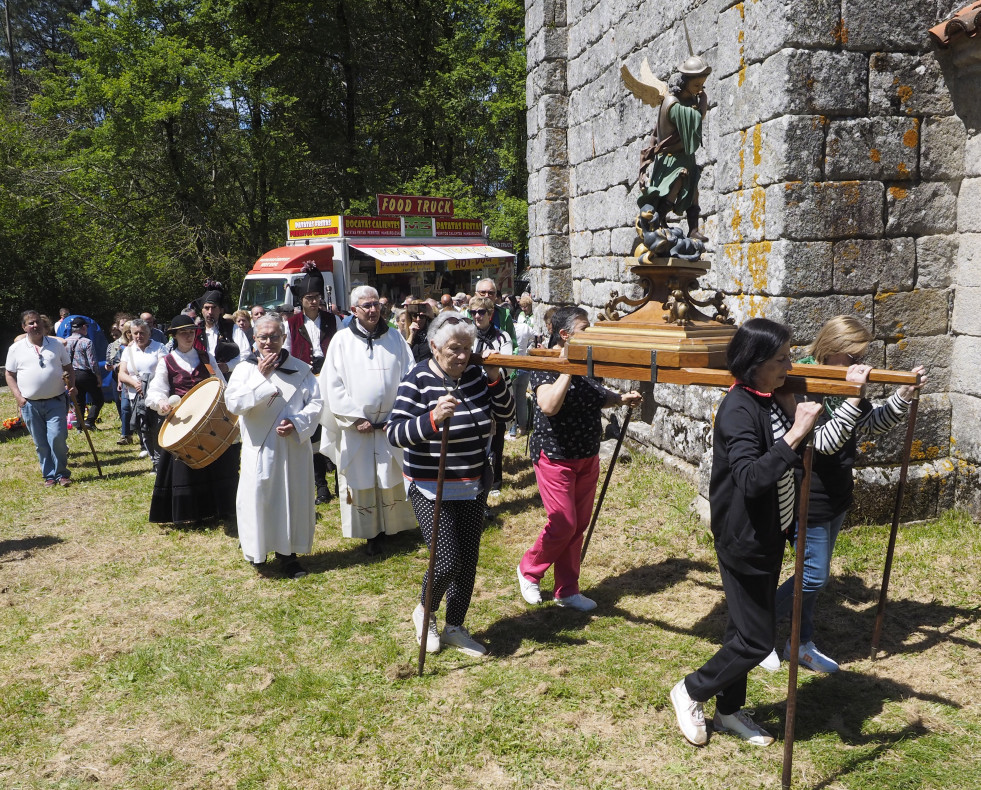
pixel 427 607
pixel 788 734
pixel 880 612
pixel 606 483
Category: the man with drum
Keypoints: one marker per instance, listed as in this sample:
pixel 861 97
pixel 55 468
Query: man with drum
pixel 365 364
pixel 308 337
pixel 278 401
pixel 182 494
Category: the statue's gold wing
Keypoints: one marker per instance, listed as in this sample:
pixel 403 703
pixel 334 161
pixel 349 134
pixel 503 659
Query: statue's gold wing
pixel 649 89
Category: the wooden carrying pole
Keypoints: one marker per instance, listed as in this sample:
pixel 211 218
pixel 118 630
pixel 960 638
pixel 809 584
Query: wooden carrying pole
pixel 788 733
pixel 880 612
pixel 427 607
pixel 606 483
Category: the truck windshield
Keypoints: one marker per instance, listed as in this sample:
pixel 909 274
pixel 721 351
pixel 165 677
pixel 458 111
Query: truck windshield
pixel 269 292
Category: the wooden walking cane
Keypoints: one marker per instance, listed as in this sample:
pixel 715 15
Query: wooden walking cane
pixel 427 606
pixel 900 491
pixel 606 482
pixel 788 733
pixel 85 430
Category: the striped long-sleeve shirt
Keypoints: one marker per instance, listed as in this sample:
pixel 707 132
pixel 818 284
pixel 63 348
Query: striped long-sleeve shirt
pixel 412 428
pixel 835 439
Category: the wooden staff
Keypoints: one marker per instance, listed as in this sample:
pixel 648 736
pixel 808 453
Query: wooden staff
pixel 788 733
pixel 427 606
pixel 606 483
pixel 900 491
pixel 85 430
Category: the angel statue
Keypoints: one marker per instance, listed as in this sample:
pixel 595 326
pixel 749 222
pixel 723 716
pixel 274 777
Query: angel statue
pixel 668 176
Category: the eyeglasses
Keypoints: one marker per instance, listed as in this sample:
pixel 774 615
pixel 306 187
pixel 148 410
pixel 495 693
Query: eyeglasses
pixel 267 338
pixel 479 312
pixel 369 306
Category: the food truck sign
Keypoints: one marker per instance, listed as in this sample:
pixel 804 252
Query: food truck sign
pixel 414 206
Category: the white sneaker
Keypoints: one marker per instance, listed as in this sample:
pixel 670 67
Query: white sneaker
pixel 459 637
pixel 144 453
pixel 529 590
pixel 691 717
pixel 740 723
pixel 494 493
pixel 772 662
pixel 432 639
pixel 812 658
pixel 579 602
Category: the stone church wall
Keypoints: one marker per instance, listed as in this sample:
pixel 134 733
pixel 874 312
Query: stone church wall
pixel 842 174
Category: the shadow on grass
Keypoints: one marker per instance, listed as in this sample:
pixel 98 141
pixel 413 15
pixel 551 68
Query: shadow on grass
pixel 821 709
pixel 548 624
pixel 909 626
pixel 26 546
pixel 16 433
pixel 403 543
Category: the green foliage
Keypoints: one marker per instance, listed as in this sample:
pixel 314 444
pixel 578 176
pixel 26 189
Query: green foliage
pixel 160 141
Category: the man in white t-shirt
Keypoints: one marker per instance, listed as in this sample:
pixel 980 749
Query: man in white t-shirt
pixel 36 366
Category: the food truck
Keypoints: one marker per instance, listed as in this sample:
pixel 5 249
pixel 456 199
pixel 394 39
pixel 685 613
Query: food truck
pixel 422 252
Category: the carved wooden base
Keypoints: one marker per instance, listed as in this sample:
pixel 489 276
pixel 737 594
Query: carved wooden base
pixel 667 319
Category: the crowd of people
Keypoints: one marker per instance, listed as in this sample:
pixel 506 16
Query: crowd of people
pixel 403 402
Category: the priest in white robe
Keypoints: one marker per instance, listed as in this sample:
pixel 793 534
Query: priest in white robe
pixel 279 405
pixel 361 375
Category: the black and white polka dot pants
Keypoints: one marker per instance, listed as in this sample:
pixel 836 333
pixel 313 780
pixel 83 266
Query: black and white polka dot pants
pixel 461 523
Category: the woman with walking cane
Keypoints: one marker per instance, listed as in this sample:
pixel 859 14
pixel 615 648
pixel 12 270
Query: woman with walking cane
pixel 843 341
pixel 752 495
pixel 447 388
pixel 565 449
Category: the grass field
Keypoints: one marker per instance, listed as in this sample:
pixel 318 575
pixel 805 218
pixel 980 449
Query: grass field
pixel 136 656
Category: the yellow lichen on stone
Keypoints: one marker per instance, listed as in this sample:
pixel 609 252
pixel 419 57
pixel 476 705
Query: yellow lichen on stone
pixel 912 136
pixel 839 32
pixel 874 155
pixel 859 306
pixel 903 170
pixel 905 93
pixel 757 214
pixel 897 193
pixel 757 147
pixel 757 263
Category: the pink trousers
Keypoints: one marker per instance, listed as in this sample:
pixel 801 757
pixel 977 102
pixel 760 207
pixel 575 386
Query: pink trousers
pixel 568 489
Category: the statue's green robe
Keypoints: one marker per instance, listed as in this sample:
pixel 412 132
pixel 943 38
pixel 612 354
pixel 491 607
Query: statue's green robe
pixel 667 168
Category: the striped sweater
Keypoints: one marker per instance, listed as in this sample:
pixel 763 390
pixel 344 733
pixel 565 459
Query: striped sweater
pixel 411 427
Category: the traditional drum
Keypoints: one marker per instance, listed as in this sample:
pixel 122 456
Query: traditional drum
pixel 200 428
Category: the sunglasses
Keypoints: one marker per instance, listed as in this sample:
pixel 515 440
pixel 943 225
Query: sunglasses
pixel 454 320
pixel 479 312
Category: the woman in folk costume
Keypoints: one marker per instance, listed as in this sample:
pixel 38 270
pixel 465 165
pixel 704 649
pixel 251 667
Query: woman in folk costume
pixel 278 402
pixel 182 494
pixel 365 363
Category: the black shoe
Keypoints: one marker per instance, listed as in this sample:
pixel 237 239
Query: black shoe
pixel 323 496
pixel 374 546
pixel 290 566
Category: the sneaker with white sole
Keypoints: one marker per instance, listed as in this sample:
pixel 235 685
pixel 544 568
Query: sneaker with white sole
pixel 459 637
pixel 812 658
pixel 432 639
pixel 740 723
pixel 579 602
pixel 144 454
pixel 690 715
pixel 771 663
pixel 530 591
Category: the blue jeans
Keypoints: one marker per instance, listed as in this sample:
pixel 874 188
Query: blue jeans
pixel 47 420
pixel 125 412
pixel 821 537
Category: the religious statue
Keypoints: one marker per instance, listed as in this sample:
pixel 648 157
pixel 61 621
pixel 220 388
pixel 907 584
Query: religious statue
pixel 668 176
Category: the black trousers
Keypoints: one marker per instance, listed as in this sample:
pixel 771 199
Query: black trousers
pixel 87 383
pixel 497 448
pixel 749 636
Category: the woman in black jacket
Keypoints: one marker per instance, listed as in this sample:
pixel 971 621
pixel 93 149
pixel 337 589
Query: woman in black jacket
pixel 752 496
